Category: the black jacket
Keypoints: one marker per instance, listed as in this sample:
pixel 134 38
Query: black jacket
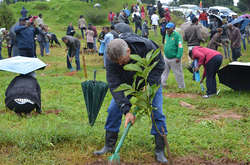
pixel 116 75
pixel 25 87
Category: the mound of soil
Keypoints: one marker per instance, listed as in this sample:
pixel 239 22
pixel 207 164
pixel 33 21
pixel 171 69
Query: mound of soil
pixel 181 95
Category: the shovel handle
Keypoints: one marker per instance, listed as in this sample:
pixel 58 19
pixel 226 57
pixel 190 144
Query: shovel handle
pixel 123 138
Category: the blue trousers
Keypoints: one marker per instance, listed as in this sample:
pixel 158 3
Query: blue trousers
pixel 26 52
pixel 114 118
pixel 204 23
pixel 77 60
pixel 212 67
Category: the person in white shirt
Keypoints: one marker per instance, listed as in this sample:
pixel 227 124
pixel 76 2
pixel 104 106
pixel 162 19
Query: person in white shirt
pixel 39 20
pixel 155 18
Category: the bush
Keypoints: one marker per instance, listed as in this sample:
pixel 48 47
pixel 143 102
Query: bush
pixel 42 6
pixel 6 16
pixel 96 16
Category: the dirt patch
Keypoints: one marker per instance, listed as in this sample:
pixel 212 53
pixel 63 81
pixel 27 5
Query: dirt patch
pixel 223 115
pixel 192 160
pixel 186 105
pixel 181 95
pixel 55 111
pixel 70 73
pixel 188 160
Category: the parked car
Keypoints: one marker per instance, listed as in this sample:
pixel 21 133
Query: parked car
pixel 221 11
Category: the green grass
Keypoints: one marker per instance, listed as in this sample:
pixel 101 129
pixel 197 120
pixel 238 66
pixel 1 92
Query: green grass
pixel 67 138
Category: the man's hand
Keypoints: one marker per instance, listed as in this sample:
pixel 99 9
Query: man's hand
pixel 178 60
pixel 129 118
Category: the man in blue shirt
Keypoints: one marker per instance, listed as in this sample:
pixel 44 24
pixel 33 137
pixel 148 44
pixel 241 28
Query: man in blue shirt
pixel 25 38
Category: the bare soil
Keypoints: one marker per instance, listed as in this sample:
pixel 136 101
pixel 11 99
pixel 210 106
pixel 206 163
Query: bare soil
pixel 181 95
pixel 223 115
pixel 70 73
pixel 186 105
pixel 188 160
pixel 55 111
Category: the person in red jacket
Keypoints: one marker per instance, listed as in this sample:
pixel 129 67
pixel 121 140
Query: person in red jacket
pixel 167 15
pixel 203 18
pixel 211 61
pixel 111 17
pixel 142 12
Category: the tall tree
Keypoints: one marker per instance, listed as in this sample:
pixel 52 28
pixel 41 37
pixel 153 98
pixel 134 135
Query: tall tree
pixel 244 5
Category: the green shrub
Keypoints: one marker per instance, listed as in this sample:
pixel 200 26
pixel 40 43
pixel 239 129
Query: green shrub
pixel 42 6
pixel 96 16
pixel 6 16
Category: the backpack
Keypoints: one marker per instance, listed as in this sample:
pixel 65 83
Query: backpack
pixel 23 95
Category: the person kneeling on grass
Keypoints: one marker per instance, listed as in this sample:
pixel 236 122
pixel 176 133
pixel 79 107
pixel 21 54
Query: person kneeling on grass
pixel 23 94
pixel 211 60
pixel 118 52
pixel 73 46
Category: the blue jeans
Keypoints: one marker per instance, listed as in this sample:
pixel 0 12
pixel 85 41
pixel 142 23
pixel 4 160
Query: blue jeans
pixel 77 60
pixel 243 38
pixel 226 48
pixel 26 52
pixel 15 51
pixel 41 44
pixel 204 23
pixel 0 52
pixel 212 67
pixel 114 118
pixel 46 46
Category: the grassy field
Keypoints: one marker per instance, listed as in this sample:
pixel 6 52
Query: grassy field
pixel 201 131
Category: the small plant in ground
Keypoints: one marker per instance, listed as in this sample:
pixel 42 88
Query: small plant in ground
pixel 141 91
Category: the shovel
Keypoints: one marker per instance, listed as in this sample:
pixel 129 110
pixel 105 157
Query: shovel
pixel 115 158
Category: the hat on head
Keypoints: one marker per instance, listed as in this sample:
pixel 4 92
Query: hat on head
pixel 170 25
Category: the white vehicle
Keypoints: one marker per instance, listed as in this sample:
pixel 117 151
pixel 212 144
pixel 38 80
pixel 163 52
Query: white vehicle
pixel 186 9
pixel 192 7
pixel 222 11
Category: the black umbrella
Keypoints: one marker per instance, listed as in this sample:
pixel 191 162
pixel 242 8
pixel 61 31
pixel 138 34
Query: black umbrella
pixel 236 75
pixel 94 93
pixel 123 28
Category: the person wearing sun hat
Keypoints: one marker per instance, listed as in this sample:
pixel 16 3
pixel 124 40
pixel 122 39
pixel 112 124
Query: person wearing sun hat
pixel 173 50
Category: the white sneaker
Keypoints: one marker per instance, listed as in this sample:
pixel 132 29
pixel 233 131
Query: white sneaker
pixel 205 96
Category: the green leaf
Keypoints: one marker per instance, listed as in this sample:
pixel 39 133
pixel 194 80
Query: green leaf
pixel 149 55
pixel 137 58
pixel 123 87
pixel 132 67
pixel 154 55
pixel 129 92
pixel 139 83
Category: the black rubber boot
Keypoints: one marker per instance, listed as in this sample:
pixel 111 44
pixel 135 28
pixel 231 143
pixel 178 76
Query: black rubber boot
pixel 159 149
pixel 110 141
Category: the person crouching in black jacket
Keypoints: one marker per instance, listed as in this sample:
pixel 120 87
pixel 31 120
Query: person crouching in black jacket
pixel 118 52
